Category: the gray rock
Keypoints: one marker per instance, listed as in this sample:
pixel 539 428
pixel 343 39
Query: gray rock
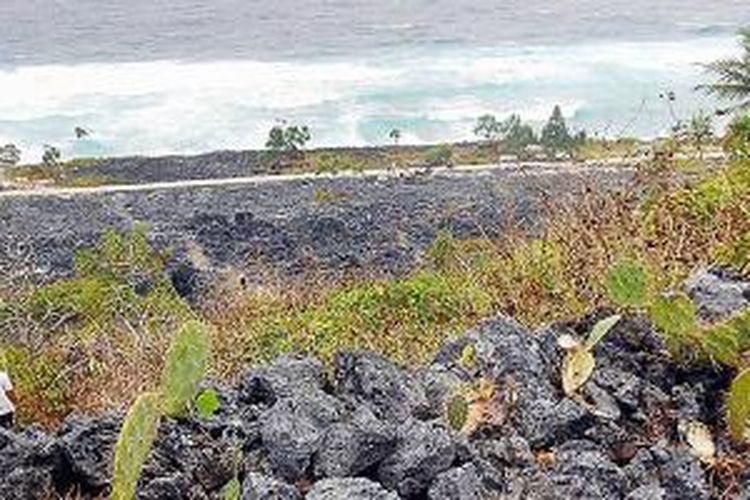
pixel 546 421
pixel 31 467
pixel 581 471
pixel 582 460
pixel 293 429
pixel 460 483
pixel 425 450
pixel 678 473
pixel 349 448
pixel 718 293
pixel 286 376
pixel 184 449
pixel 506 349
pixel 260 487
pixel 647 492
pixel 349 489
pixel 440 383
pixel 506 451
pixel 391 392
pixel 88 446
pixel 173 487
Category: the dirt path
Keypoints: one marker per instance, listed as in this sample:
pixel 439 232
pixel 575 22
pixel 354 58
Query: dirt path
pixel 530 168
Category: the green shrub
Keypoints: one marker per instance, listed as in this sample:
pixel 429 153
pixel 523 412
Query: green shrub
pixel 627 284
pixel 207 403
pixel 675 316
pixel 186 364
pixel 134 445
pixel 440 156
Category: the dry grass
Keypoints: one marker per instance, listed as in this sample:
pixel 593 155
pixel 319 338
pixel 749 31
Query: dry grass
pixel 91 344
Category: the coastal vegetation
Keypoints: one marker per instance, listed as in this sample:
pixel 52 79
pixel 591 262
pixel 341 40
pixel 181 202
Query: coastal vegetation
pixel 117 331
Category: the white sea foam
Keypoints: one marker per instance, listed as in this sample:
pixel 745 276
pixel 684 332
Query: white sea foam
pixel 179 107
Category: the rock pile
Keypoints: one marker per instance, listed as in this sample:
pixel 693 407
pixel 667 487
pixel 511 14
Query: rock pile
pixel 374 430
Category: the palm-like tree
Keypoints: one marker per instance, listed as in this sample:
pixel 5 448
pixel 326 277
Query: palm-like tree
pixel 733 77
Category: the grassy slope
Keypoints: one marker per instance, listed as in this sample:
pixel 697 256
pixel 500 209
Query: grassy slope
pixel 93 342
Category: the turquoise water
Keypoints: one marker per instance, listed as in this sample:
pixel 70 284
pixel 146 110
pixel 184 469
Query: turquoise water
pixel 155 77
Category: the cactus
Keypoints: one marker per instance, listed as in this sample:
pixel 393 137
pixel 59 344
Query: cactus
pixel 186 365
pixel 134 444
pixel 456 411
pixel 738 405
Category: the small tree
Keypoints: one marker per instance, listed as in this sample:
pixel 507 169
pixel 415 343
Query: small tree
pixel 395 136
pixel 737 139
pixel 287 141
pixel 555 136
pixel 51 156
pixel 732 77
pixel 10 155
pixel 518 135
pixel 700 131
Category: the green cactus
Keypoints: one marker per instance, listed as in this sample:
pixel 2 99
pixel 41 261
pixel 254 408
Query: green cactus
pixel 134 445
pixel 456 411
pixel 738 406
pixel 186 365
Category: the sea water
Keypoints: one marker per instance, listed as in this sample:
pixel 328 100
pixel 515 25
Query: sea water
pixel 184 76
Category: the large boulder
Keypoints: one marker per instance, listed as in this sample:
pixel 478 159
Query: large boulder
pixel 88 445
pixel 391 392
pixel 186 454
pixel 293 429
pixel 285 377
pixel 31 467
pixel 425 450
pixel 349 489
pixel 351 447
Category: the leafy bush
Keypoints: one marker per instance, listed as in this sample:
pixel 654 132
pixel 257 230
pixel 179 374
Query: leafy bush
pixel 440 156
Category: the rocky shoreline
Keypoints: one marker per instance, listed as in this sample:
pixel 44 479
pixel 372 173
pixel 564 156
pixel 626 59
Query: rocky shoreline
pixel 375 430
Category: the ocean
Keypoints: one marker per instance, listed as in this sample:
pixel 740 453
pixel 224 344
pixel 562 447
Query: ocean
pixel 155 77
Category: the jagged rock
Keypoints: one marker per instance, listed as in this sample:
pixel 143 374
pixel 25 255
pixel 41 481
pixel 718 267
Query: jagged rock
pixel 184 449
pixel 506 451
pixel 718 293
pixel 349 448
pixel 286 376
pixel 425 450
pixel 349 489
pixel 172 487
pixel 391 392
pixel 260 487
pixel 648 492
pixel 440 383
pixel 677 471
pixel 292 431
pixel 30 467
pixel 460 483
pixel 88 445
